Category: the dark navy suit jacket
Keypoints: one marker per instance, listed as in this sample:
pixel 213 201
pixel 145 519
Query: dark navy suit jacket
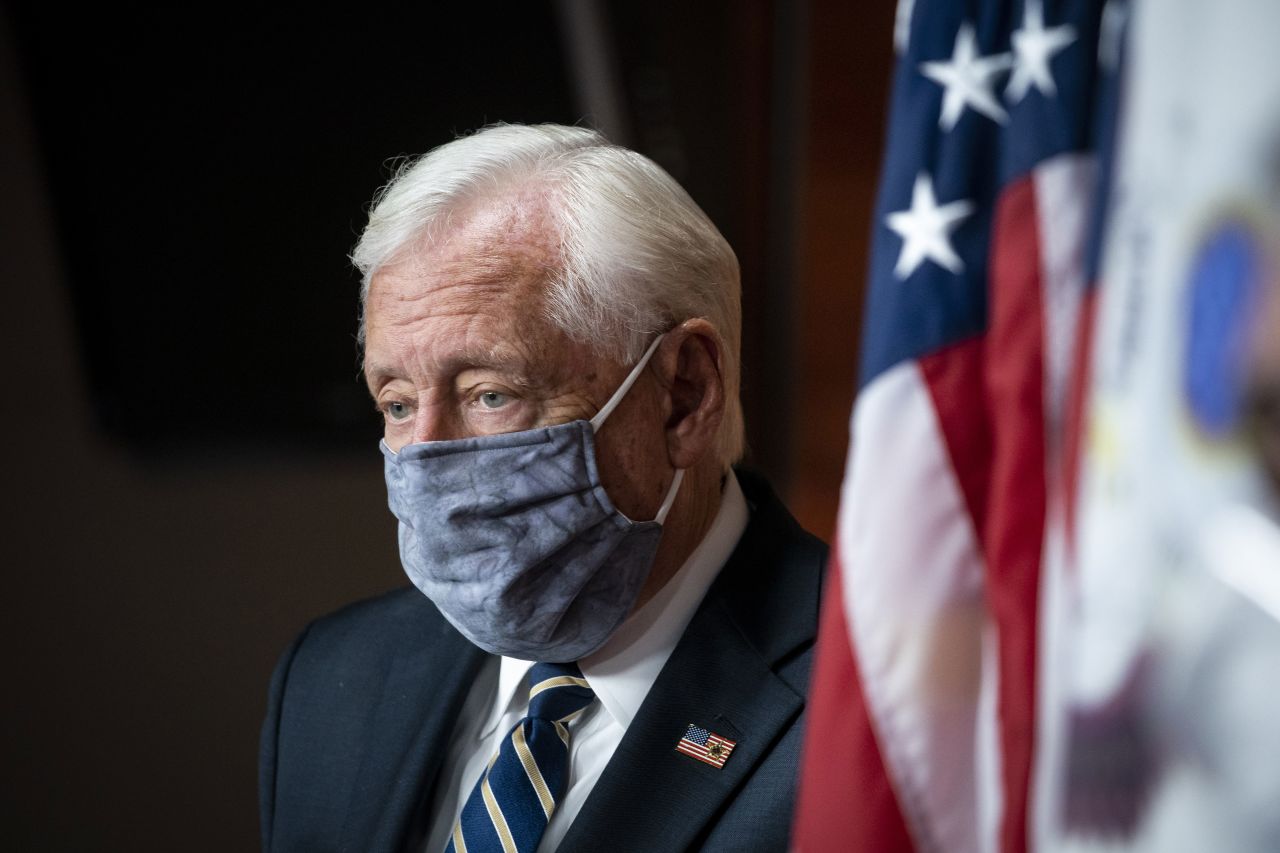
pixel 363 703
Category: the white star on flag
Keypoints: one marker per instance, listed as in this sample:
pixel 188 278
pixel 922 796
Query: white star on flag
pixel 1034 48
pixel 926 229
pixel 967 79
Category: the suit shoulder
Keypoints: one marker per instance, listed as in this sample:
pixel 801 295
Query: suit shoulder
pixel 364 632
pixel 404 607
pixel 804 551
pixel 773 581
pixel 793 544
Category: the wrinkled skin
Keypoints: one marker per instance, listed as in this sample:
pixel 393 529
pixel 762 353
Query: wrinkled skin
pixel 457 344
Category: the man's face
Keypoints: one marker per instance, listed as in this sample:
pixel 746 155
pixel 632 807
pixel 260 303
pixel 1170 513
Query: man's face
pixel 457 345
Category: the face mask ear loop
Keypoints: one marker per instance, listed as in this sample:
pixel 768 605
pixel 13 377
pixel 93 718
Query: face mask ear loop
pixel 598 420
pixel 671 497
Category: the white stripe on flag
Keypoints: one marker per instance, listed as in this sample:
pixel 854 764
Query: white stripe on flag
pixel 988 769
pixel 1064 200
pixel 914 597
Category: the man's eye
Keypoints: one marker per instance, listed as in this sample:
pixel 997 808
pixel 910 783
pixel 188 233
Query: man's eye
pixel 493 400
pixel 396 411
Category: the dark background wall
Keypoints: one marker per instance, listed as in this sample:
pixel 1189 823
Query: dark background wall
pixel 189 465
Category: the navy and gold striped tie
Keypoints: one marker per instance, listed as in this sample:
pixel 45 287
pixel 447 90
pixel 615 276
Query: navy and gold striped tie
pixel 509 807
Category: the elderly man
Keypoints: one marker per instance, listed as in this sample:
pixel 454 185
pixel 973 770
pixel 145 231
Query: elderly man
pixel 611 634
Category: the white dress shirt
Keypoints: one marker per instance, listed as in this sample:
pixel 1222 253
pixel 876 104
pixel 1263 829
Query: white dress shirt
pixel 620 672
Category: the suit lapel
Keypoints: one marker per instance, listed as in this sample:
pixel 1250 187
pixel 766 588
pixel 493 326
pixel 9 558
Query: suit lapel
pixel 719 677
pixel 417 708
pixel 663 798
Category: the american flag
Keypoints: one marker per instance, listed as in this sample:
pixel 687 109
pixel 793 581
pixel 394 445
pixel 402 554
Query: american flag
pixel 705 746
pixel 923 709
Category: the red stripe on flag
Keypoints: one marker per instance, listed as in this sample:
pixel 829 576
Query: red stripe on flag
pixel 846 799
pixel 953 376
pixel 1013 532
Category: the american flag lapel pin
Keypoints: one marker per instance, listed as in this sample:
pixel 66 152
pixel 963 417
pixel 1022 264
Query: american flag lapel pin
pixel 706 746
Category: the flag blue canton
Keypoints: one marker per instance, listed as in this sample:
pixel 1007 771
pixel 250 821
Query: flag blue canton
pixel 983 92
pixel 697 735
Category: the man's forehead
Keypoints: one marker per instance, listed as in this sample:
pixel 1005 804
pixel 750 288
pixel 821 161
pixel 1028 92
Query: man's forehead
pixel 517 227
pixel 475 294
pixel 499 249
pixel 488 313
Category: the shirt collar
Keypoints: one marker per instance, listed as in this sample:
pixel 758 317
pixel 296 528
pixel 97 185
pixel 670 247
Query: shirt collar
pixel 626 666
pixel 512 674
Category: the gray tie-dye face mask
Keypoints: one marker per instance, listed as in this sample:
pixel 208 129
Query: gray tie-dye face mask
pixel 515 540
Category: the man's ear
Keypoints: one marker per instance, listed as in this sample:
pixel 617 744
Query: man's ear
pixel 692 369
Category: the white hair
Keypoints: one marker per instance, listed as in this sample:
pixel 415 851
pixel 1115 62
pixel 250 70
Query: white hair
pixel 637 256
